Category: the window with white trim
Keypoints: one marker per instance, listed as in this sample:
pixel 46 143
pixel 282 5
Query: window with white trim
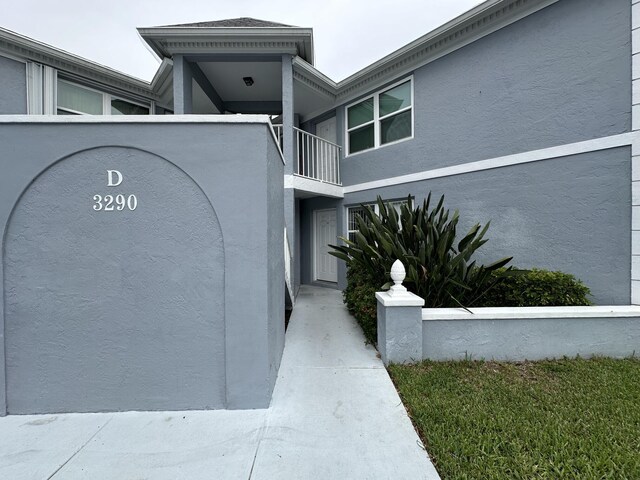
pixel 384 117
pixel 74 99
pixel 354 212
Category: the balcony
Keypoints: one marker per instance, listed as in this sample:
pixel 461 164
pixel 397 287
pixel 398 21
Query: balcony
pixel 316 164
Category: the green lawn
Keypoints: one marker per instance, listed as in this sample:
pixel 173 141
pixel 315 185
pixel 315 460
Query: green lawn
pixel 573 419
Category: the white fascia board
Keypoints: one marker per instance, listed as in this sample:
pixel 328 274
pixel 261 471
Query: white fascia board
pixel 28 45
pixel 27 48
pixel 260 38
pixel 445 39
pixel 162 74
pixel 530 313
pixel 234 32
pixel 162 83
pixel 305 68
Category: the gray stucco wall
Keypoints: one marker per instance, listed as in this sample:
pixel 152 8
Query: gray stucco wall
pixel 571 214
pixel 162 262
pixel 297 240
pixel 125 294
pixel 559 76
pixel 275 261
pixel 13 87
pixel 530 339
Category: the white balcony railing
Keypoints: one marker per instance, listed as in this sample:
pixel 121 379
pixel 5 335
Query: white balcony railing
pixel 317 158
pixel 314 157
pixel 277 128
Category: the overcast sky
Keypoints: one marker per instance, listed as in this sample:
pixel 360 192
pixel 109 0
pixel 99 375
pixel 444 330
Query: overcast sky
pixel 348 34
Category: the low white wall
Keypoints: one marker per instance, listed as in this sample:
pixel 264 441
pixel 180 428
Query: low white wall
pixel 530 333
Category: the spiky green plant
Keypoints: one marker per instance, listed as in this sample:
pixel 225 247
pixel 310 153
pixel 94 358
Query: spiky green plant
pixel 424 239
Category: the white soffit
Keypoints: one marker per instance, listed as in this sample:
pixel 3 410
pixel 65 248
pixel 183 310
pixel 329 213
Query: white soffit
pixel 226 79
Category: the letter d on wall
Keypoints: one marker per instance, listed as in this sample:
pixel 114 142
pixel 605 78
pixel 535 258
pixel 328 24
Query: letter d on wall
pixel 110 179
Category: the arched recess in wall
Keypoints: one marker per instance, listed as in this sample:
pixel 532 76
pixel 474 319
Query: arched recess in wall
pixel 114 306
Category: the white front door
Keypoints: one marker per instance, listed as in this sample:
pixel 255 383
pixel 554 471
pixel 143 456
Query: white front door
pixel 327 130
pixel 326 265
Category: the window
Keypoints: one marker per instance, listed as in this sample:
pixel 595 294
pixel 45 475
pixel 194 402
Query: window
pixel 123 107
pixel 383 118
pixel 352 226
pixel 354 212
pixel 74 99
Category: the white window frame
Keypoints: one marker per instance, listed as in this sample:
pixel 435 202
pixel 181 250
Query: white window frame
pixel 41 89
pixel 396 204
pixel 377 119
pixel 106 100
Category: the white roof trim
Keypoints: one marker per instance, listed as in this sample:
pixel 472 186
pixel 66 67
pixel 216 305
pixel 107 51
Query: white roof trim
pixel 166 41
pixel 472 25
pixel 476 23
pixel 24 47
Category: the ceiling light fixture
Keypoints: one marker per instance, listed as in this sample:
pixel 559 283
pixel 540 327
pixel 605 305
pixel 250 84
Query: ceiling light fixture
pixel 248 81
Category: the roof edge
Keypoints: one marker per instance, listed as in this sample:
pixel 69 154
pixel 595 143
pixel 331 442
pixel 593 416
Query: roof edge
pixel 233 37
pixel 25 47
pixel 467 28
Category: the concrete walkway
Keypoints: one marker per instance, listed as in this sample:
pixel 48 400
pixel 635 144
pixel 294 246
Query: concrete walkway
pixel 335 415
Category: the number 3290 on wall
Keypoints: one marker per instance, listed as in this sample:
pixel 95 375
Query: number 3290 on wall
pixel 118 203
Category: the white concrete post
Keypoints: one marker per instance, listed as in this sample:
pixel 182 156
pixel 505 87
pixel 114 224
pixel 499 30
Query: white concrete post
pixel 399 321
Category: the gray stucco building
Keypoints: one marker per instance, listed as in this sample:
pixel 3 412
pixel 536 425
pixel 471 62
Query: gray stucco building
pixel 240 162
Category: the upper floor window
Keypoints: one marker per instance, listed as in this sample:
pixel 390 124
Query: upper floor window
pixel 383 118
pixel 74 99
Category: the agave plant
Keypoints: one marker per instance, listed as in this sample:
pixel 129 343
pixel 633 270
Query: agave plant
pixel 424 239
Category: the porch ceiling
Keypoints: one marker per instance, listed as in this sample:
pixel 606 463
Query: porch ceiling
pixel 309 101
pixel 227 79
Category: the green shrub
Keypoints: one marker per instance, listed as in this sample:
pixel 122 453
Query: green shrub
pixel 439 270
pixel 360 298
pixel 424 239
pixel 536 288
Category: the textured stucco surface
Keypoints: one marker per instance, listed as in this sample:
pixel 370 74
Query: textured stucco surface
pixel 169 278
pixel 13 87
pixel 275 267
pixel 559 76
pixel 399 334
pixel 571 214
pixel 530 339
pixel 119 305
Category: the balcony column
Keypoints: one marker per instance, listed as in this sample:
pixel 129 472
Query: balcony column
pixel 287 150
pixel 182 86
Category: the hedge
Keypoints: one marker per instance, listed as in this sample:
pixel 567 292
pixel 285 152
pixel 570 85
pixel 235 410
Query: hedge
pixel 520 288
pixel 537 288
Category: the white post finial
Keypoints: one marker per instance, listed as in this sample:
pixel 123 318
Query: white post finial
pixel 398 274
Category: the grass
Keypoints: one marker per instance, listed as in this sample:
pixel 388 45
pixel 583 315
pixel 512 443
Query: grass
pixel 564 419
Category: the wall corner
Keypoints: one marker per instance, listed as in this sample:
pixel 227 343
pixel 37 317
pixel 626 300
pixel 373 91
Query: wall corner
pixel 635 152
pixel 399 327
